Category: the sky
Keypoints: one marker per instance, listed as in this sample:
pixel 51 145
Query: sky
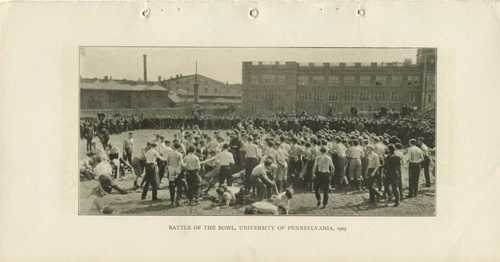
pixel 223 64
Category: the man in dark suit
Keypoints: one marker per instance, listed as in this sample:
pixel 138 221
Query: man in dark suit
pixel 393 175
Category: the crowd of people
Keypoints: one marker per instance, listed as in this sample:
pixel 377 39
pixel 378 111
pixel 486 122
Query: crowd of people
pixel 267 157
pixel 402 127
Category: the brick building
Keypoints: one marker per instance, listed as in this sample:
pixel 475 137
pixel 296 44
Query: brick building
pixel 318 88
pixel 210 91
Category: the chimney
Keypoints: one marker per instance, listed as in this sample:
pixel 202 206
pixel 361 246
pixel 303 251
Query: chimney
pixel 145 65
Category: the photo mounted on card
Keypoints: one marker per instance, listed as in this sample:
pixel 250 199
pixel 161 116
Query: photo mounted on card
pixel 238 131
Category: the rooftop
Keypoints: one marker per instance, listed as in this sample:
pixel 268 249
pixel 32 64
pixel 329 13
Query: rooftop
pixel 119 85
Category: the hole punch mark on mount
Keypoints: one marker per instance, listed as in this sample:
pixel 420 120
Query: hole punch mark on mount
pixel 361 12
pixel 146 12
pixel 253 13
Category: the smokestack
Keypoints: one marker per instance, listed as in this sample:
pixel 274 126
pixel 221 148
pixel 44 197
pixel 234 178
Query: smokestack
pixel 145 65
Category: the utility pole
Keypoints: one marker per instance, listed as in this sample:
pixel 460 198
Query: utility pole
pixel 196 86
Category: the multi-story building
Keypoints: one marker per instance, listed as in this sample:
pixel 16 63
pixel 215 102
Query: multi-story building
pixel 210 91
pixel 320 88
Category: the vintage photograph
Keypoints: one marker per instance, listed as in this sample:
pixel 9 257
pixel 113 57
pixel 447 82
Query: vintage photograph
pixel 238 131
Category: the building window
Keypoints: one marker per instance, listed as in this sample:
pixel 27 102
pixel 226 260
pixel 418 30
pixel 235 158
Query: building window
pixel 395 96
pixel 333 80
pixel 332 96
pixel 349 80
pixel 365 95
pixel 255 80
pixel 379 96
pixel 396 81
pixel 303 80
pixel 318 79
pixel 349 95
pixel 281 79
pixel 268 79
pixel 380 81
pixel 318 95
pixel 413 81
pixel 364 80
pixel 412 97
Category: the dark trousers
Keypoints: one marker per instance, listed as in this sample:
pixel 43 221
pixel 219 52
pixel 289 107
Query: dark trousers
pixel 128 155
pixel 174 188
pixel 371 185
pixel 391 186
pixel 379 181
pixel 150 179
pixel 322 183
pixel 161 168
pixel 250 164
pixel 400 186
pixel 294 168
pixel 340 163
pixel 414 174
pixel 193 182
pixel 225 174
pixel 89 143
pixel 425 164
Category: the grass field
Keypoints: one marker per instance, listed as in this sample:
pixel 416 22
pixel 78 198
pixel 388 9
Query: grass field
pixel 349 203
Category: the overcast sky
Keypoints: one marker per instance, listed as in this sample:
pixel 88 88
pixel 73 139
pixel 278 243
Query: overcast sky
pixel 223 64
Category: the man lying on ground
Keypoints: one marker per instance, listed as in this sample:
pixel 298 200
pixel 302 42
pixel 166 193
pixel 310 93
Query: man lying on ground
pixel 272 206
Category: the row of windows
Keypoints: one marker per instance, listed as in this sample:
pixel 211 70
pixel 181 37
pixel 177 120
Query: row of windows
pixel 355 96
pixel 268 79
pixel 363 80
pixel 336 80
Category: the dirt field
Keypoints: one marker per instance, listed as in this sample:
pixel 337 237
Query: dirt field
pixel 350 203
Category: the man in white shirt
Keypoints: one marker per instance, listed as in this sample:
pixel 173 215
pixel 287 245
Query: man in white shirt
pixel 192 165
pixel 372 173
pixel 338 151
pixel 415 158
pixel 151 177
pixel 174 165
pixel 103 172
pixel 251 159
pixel 282 167
pixel 354 155
pixel 380 149
pixel 225 160
pixel 163 149
pixel 426 162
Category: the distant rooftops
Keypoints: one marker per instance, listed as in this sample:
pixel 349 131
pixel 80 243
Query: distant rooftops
pixel 119 85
